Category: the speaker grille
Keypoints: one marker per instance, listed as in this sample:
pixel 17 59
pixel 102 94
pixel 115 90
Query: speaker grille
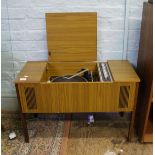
pixel 30 98
pixel 124 96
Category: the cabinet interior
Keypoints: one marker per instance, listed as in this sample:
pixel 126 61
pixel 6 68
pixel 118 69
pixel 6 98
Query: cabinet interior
pixel 69 68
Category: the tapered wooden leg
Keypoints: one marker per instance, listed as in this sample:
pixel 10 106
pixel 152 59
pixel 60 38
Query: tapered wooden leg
pixel 24 126
pixel 132 119
pixel 131 126
pixel 121 114
pixel 23 117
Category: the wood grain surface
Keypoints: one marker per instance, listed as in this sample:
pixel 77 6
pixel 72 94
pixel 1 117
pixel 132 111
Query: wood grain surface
pixel 77 97
pixel 71 36
pixel 122 71
pixel 33 70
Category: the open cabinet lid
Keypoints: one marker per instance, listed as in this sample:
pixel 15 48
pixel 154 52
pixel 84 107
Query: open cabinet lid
pixel 71 36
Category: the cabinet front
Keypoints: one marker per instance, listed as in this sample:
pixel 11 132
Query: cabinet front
pixel 79 97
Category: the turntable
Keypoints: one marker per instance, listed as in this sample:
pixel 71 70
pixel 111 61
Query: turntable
pixel 72 80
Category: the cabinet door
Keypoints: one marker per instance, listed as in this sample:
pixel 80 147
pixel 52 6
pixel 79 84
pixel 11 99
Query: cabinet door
pixel 30 97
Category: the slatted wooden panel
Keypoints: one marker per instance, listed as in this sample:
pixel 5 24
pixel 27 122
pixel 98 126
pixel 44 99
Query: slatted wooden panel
pixel 71 36
pixel 30 98
pixel 124 96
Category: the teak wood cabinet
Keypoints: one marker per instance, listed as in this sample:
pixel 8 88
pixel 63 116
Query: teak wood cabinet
pixel 145 72
pixel 72 45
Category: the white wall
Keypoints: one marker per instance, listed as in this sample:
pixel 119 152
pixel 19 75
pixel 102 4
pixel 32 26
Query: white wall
pixel 24 32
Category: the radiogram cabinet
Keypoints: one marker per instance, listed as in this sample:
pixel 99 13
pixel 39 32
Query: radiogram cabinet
pixel 72 45
pixel 40 96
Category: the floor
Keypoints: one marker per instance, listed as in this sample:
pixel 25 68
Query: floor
pixel 58 135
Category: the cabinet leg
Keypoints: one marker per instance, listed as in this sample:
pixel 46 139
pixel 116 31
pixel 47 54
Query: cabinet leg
pixel 133 113
pixel 131 126
pixel 23 118
pixel 24 126
pixel 121 114
pixel 35 115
